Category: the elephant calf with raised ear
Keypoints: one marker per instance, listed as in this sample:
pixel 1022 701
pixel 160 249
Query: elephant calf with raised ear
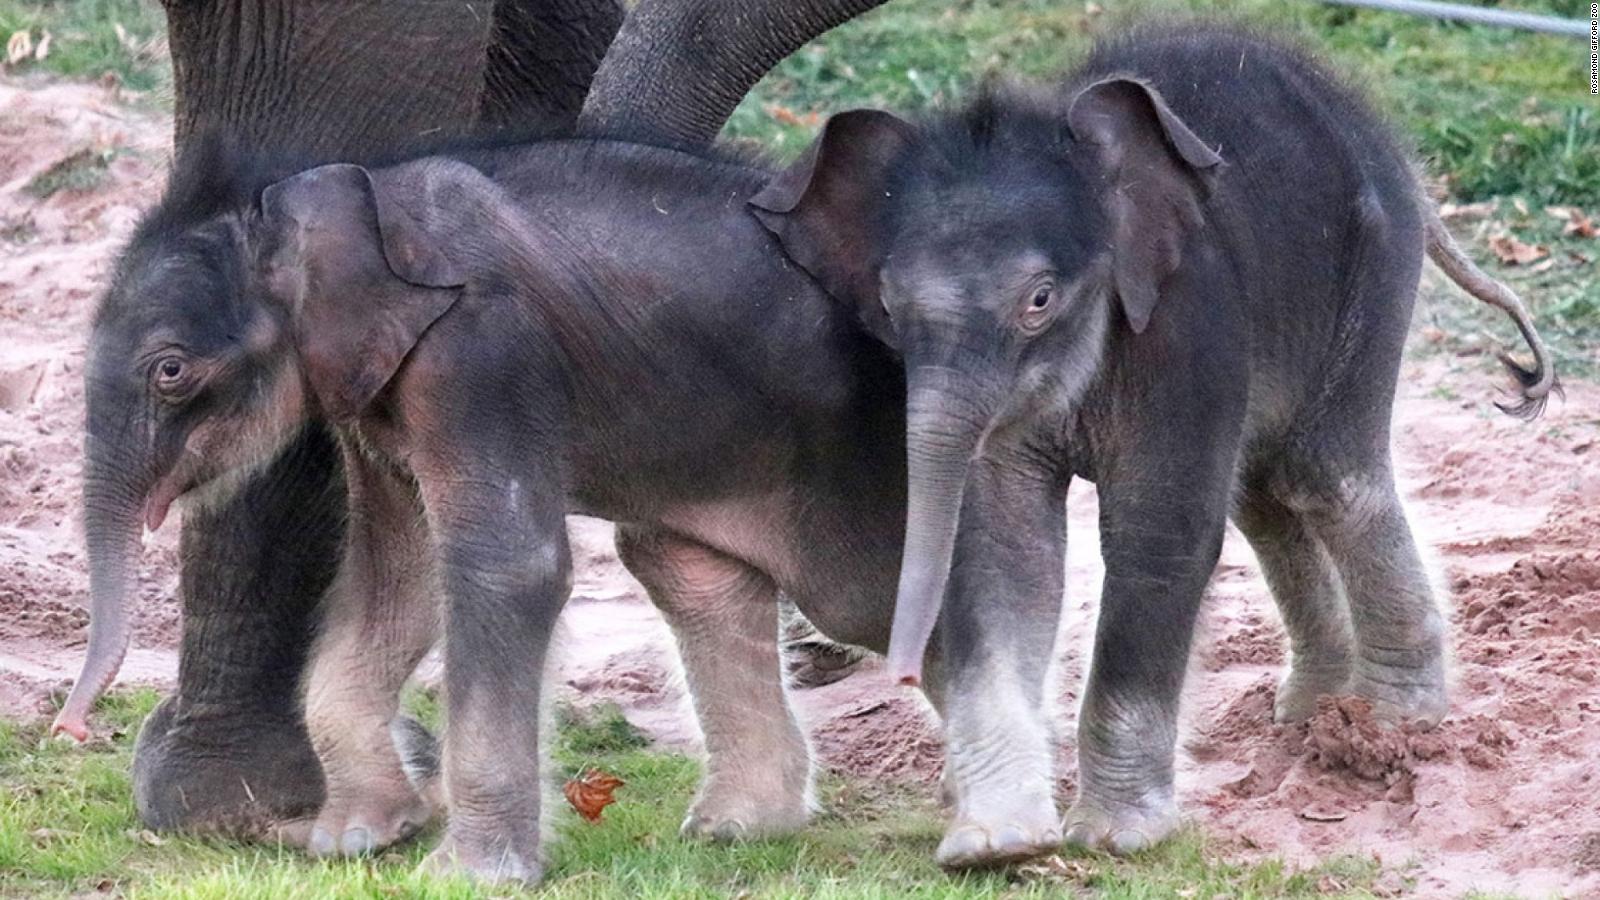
pixel 500 336
pixel 1187 276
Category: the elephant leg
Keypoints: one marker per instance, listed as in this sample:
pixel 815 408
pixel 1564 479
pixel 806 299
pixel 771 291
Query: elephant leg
pixel 810 658
pixel 229 750
pixel 994 644
pixel 381 618
pixel 1399 630
pixel 724 615
pixel 1160 539
pixel 506 570
pixel 541 57
pixel 1310 600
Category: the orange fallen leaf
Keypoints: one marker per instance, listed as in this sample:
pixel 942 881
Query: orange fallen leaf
pixel 1513 252
pixel 786 116
pixel 1580 225
pixel 592 792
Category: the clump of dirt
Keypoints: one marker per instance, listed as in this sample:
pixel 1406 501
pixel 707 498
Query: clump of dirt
pixel 1257 644
pixel 1344 735
pixel 1588 857
pixel 888 739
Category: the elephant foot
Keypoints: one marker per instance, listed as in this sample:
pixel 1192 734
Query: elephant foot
pixel 979 838
pixel 238 775
pixel 1404 695
pixel 368 825
pixel 487 864
pixel 727 815
pixel 1121 829
pixel 1306 681
pixel 814 663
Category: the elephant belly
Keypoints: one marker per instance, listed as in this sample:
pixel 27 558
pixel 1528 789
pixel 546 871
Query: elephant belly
pixel 842 576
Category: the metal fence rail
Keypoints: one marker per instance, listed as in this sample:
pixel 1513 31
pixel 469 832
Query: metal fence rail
pixel 1476 14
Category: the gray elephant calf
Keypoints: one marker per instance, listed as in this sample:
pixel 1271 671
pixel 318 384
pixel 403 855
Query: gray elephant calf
pixel 1185 275
pixel 567 326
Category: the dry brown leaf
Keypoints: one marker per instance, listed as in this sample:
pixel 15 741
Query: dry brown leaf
pixel 43 50
pixel 1579 225
pixel 592 792
pixel 19 47
pixel 1514 252
pixel 1057 868
pixel 1328 884
pixel 787 116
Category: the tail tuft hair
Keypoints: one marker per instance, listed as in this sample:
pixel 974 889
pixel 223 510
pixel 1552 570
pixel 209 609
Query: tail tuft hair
pixel 1534 385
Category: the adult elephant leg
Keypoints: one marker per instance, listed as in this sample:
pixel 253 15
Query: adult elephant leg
pixel 541 58
pixel 995 638
pixel 229 750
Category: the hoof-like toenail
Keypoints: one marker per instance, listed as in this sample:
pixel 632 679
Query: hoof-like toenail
pixel 730 830
pixel 321 842
pixel 1125 841
pixel 355 841
pixel 1010 839
pixel 1080 834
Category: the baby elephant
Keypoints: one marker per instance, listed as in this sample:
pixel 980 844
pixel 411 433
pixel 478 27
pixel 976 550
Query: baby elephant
pixel 1187 276
pixel 455 489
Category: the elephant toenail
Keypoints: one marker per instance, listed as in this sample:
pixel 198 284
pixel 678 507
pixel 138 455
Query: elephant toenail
pixel 321 842
pixel 1124 841
pixel 355 841
pixel 1010 839
pixel 1080 834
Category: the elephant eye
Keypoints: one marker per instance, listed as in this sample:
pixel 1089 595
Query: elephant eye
pixel 171 376
pixel 1039 308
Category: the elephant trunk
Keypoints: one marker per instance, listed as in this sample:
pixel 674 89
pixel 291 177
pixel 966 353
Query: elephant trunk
pixel 112 524
pixel 944 426
pixel 677 69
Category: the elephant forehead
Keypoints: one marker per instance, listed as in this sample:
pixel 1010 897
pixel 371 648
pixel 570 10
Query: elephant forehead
pixel 962 270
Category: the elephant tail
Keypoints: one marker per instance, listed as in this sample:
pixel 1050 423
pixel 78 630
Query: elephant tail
pixel 1534 385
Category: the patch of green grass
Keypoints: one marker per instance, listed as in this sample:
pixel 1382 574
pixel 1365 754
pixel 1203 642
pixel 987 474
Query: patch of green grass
pixel 67 826
pixel 84 41
pixel 1499 112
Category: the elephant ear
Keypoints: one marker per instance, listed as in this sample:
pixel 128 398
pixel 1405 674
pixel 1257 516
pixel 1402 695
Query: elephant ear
pixel 1156 168
pixel 362 268
pixel 827 209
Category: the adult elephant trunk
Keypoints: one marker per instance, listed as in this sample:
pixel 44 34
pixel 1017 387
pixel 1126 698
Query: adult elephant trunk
pixel 112 522
pixel 945 423
pixel 678 68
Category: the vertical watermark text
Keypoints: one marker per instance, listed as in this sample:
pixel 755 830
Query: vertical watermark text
pixel 1594 48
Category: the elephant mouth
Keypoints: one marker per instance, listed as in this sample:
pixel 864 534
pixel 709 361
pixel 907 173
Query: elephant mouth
pixel 162 496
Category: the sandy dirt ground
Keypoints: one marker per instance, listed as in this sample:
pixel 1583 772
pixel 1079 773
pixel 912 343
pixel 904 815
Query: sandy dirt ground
pixel 1505 795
